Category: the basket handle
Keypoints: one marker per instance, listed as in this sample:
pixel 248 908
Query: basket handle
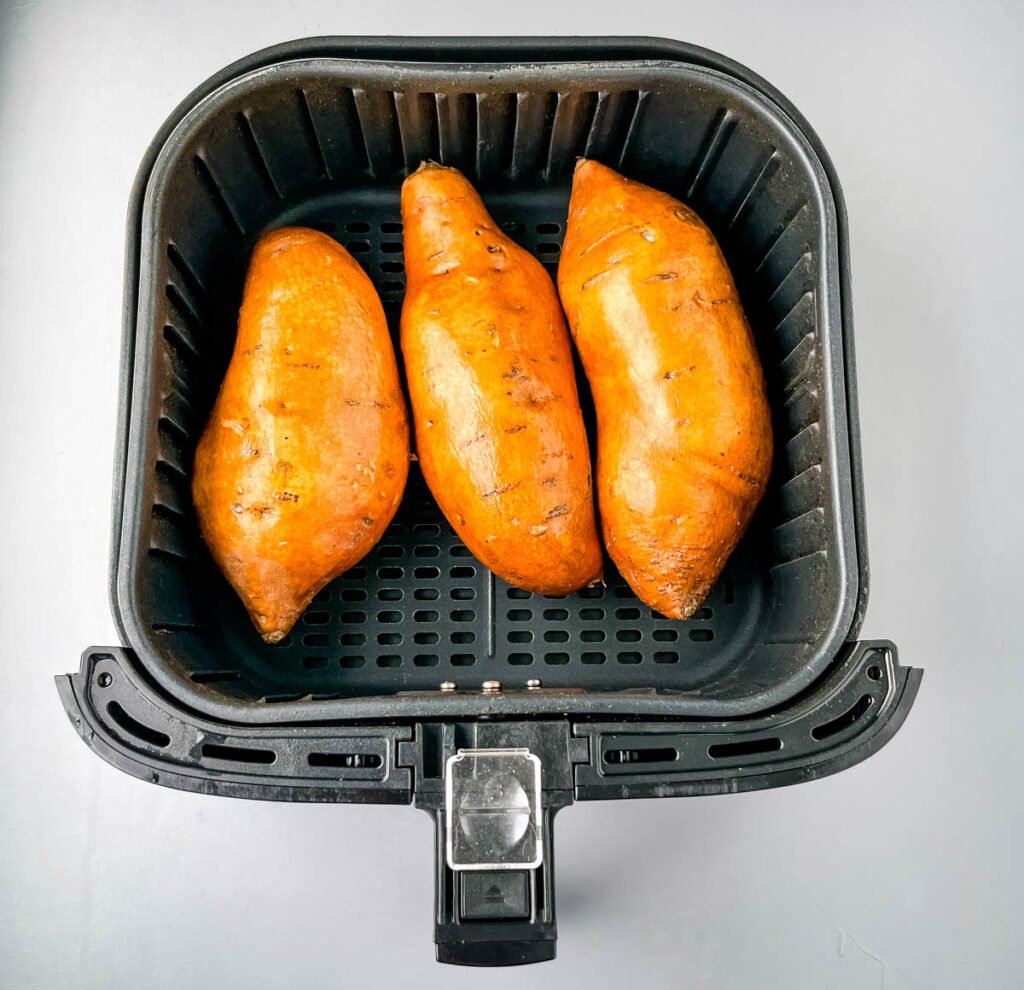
pixel 495 917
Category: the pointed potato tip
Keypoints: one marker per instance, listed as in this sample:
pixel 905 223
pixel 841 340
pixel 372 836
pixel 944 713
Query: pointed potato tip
pixel 591 167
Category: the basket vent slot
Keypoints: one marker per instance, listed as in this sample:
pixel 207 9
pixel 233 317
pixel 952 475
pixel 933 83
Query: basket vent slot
pixel 238 754
pixel 844 721
pixel 131 725
pixel 346 761
pixel 656 754
pixel 749 747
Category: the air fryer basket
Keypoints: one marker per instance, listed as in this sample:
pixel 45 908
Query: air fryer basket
pixel 321 133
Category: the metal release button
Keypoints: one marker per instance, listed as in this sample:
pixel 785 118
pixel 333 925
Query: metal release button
pixel 498 895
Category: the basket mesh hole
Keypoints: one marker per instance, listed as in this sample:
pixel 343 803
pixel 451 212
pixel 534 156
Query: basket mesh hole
pixel 462 637
pixel 520 659
pixel 426 594
pixel 351 662
pixel 463 659
pixel 520 636
pixel 389 638
pixel 389 660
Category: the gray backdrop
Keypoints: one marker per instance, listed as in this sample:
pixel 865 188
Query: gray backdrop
pixel 902 872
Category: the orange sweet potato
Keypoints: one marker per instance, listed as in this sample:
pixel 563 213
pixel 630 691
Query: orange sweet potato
pixel 499 431
pixel 683 429
pixel 304 459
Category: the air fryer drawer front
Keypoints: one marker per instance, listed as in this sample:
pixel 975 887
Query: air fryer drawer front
pixel 495 891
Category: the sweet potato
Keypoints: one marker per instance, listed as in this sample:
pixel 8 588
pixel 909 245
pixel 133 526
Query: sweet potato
pixel 684 442
pixel 499 431
pixel 304 459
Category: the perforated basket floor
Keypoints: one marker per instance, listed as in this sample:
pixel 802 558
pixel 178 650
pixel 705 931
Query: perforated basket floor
pixel 326 142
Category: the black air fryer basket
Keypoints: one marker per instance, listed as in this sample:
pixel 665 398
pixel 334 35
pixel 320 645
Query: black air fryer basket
pixel 418 676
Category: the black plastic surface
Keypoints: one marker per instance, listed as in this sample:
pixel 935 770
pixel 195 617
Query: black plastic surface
pixel 162 742
pixel 301 135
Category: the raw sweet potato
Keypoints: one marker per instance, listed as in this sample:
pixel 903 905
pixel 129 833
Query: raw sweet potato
pixel 304 459
pixel 499 431
pixel 683 429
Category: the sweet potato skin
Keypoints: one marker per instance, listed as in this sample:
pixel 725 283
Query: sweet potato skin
pixel 499 431
pixel 305 456
pixel 683 426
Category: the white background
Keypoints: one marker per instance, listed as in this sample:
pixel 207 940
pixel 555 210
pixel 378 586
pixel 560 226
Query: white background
pixel 902 872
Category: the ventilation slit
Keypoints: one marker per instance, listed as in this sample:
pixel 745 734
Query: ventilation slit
pixel 751 747
pixel 844 721
pixel 252 146
pixel 216 193
pixel 131 725
pixel 309 127
pixel 238 754
pixel 715 141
